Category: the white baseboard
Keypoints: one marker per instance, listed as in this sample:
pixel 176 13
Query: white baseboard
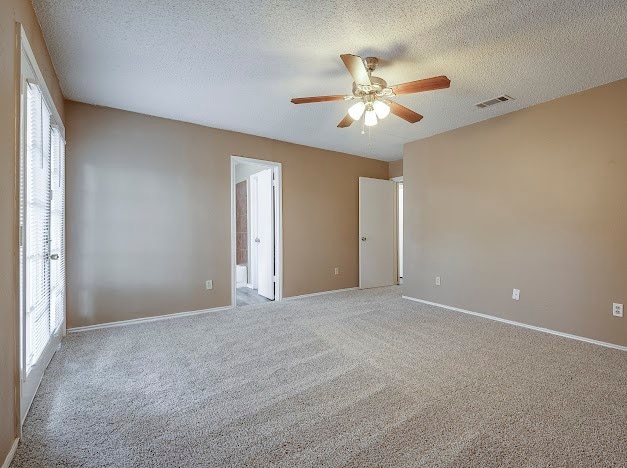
pixel 123 323
pixel 11 454
pixel 321 293
pixel 519 324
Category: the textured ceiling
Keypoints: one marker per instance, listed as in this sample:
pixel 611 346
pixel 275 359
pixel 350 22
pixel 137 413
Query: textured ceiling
pixel 235 65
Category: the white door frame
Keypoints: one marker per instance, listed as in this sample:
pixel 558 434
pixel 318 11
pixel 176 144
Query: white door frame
pixel 277 170
pixel 29 381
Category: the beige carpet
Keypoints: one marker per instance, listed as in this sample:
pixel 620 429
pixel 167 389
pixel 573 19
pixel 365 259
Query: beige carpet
pixel 359 378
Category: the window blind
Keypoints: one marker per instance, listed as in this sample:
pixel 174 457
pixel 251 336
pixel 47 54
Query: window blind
pixel 57 233
pixel 37 224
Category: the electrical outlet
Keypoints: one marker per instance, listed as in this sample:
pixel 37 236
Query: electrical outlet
pixel 516 294
pixel 617 310
pixel 209 284
pixel 337 270
pixel 437 281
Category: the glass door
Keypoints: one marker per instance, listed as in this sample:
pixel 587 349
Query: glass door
pixel 42 252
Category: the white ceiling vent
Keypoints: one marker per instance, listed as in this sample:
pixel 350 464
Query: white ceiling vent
pixel 496 100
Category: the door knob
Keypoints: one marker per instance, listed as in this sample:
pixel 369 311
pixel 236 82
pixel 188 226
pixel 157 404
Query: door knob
pixel 363 238
pixel 54 256
pixel 257 240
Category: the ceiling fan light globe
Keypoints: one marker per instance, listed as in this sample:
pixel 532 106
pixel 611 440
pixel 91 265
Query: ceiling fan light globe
pixel 381 108
pixel 371 118
pixel 356 110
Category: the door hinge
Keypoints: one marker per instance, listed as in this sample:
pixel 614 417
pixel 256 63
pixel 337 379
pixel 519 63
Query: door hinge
pixel 21 236
pixel 274 279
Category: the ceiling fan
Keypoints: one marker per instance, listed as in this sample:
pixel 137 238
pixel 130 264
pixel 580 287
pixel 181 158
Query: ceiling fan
pixel 372 93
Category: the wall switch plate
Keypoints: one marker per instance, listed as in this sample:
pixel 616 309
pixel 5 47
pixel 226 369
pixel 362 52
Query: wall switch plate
pixel 617 310
pixel 437 281
pixel 337 270
pixel 209 284
pixel 516 294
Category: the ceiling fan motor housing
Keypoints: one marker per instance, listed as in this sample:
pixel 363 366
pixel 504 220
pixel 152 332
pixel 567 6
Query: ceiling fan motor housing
pixel 377 85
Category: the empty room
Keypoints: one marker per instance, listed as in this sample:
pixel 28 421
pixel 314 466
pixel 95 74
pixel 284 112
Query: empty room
pixel 332 233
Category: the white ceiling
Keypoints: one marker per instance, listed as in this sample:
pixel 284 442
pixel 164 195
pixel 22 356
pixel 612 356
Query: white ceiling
pixel 235 65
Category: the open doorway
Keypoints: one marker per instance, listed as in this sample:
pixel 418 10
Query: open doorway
pixel 256 243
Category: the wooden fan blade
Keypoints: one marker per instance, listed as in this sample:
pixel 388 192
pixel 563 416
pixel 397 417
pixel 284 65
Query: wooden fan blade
pixel 307 100
pixel 356 68
pixel 428 84
pixel 404 113
pixel 346 122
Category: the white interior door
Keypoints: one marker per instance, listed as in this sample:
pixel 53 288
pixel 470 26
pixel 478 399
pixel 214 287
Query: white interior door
pixel 252 239
pixel 377 232
pixel 265 233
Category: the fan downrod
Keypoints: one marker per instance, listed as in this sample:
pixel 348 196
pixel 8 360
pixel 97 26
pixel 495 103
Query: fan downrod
pixel 371 63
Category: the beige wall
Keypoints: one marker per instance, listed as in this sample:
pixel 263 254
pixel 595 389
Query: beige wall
pixel 148 209
pixel 534 200
pixel 395 169
pixel 12 11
